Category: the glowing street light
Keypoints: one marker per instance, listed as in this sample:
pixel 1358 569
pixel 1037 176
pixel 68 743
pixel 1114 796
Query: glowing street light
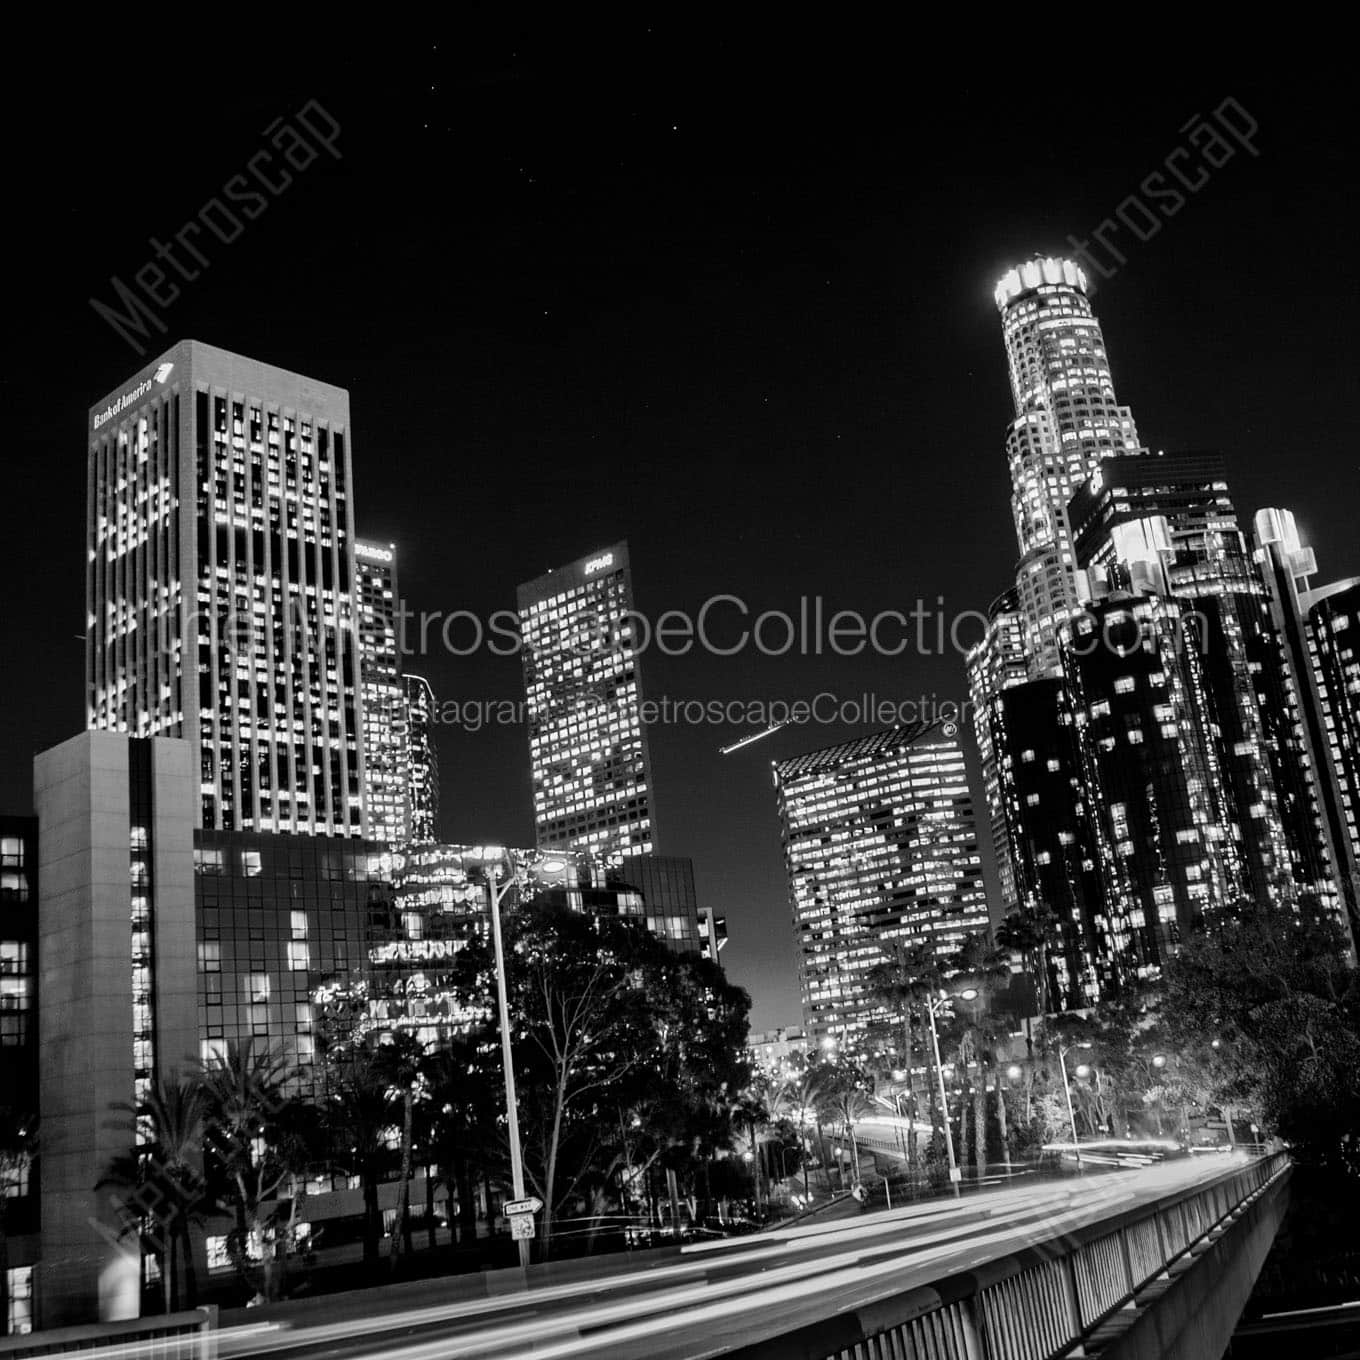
pixel 492 857
pixel 938 1007
pixel 1013 1072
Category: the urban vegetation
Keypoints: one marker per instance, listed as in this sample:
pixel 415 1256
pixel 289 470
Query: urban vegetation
pixel 638 1104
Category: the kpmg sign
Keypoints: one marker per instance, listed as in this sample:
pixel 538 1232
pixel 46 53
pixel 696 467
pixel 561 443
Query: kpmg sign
pixel 127 400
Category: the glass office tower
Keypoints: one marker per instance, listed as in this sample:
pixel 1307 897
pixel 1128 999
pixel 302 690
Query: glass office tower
pixel 220 584
pixel 1067 418
pixel 880 845
pixel 582 679
pixel 421 760
pixel 386 746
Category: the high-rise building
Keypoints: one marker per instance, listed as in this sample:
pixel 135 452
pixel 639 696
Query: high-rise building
pixel 1067 418
pixel 118 993
pixel 997 662
pixel 220 585
pixel 587 744
pixel 19 1059
pixel 1169 519
pixel 1053 840
pixel 276 916
pixel 880 845
pixel 421 760
pixel 386 745
pixel 1169 848
pixel 1333 622
pixel 666 885
pixel 159 943
pixel 1320 667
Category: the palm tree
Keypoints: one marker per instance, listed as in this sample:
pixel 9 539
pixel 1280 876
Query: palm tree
pixel 359 1114
pixel 838 1095
pixel 398 1062
pixel 982 967
pixel 1027 931
pixel 243 1087
pixel 18 1147
pixel 907 978
pixel 161 1178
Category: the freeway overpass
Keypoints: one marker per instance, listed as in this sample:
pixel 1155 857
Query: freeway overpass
pixel 1154 1262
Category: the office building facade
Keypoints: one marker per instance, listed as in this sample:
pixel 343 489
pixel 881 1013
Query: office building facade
pixel 386 743
pixel 118 990
pixel 994 664
pixel 1067 419
pixel 1052 835
pixel 1169 520
pixel 421 760
pixel 1312 625
pixel 1169 846
pixel 19 891
pixel 220 585
pixel 588 752
pixel 880 845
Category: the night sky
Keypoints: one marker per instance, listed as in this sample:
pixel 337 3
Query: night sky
pixel 728 301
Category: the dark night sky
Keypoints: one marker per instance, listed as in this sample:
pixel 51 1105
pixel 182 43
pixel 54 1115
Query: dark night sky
pixel 729 302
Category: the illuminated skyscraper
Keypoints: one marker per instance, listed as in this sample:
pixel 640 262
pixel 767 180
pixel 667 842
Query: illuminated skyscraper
pixel 995 664
pixel 1168 846
pixel 1171 517
pixel 587 745
pixel 1053 840
pixel 421 760
pixel 1317 628
pixel 386 747
pixel 220 585
pixel 1067 418
pixel 880 845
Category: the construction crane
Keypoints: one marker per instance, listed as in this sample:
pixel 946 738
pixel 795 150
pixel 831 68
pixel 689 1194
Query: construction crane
pixel 755 736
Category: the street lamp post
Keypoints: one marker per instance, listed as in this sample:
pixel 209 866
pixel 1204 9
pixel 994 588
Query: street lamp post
pixel 1067 1091
pixel 955 1175
pixel 503 1004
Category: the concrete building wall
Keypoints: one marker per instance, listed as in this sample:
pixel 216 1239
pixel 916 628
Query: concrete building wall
pixel 82 795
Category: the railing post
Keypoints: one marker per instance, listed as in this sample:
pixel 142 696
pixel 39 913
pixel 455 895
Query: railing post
pixel 1128 1260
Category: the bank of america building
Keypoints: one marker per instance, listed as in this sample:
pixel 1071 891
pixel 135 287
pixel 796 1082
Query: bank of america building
pixel 220 585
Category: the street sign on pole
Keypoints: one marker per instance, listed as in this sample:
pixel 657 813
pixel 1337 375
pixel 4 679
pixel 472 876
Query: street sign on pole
pixel 521 1227
pixel 529 1205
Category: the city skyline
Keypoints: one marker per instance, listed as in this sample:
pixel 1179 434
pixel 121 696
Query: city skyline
pixel 921 373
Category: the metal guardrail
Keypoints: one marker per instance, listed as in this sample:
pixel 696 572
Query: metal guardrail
pixel 173 1336
pixel 1039 1302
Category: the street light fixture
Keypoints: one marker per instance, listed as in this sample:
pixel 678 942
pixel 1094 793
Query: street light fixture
pixel 937 1006
pixel 493 857
pixel 1082 1071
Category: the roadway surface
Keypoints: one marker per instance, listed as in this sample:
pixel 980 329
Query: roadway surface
pixel 711 1297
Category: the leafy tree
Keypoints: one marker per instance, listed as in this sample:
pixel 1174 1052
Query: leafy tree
pixel 608 1020
pixel 1275 992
